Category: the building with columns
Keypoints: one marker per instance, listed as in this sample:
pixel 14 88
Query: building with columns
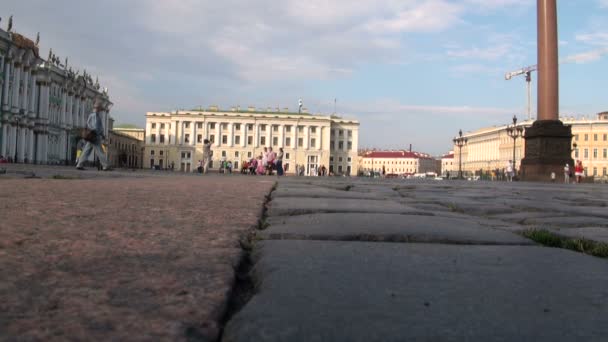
pixel 396 162
pixel 43 103
pixel 125 146
pixel 175 139
pixel 447 164
pixel 492 148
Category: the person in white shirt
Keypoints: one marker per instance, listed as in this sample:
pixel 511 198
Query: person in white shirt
pixel 94 124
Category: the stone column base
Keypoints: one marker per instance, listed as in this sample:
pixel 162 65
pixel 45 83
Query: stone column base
pixel 548 149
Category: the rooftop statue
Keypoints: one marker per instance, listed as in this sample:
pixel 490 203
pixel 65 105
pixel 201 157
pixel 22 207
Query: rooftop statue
pixel 10 23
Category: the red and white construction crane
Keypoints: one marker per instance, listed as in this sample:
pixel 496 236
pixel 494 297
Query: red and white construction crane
pixel 528 72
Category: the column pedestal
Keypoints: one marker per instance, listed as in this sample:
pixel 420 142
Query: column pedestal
pixel 548 149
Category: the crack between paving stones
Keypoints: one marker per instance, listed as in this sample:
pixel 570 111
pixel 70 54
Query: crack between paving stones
pixel 243 288
pixel 387 239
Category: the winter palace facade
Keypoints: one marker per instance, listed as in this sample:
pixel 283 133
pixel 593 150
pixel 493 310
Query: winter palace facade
pixel 43 103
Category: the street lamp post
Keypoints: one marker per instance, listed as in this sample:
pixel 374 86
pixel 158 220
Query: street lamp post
pixel 514 132
pixel 460 141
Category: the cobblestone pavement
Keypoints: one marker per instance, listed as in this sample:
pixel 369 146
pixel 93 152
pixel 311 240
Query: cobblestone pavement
pixel 369 260
pixel 123 256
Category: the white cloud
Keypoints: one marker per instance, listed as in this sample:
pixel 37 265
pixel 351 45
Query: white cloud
pixel 428 16
pixel 475 69
pixel 485 53
pixel 596 38
pixel 586 57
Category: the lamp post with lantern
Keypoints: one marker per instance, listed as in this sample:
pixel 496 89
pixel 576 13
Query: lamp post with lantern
pixel 515 132
pixel 460 141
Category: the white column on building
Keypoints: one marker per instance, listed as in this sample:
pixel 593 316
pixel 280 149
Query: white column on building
pixel 256 135
pixel 182 132
pixel 230 134
pixel 32 141
pixel 244 135
pixel 83 111
pixel 25 96
pixel 295 137
pixel 12 140
pixel 4 146
pixel 5 93
pixel 320 138
pixel 269 135
pixel 306 137
pixel 16 84
pixel 45 105
pixel 45 148
pixel 78 111
pixel 32 102
pixel 281 135
pixel 68 110
pixel 194 133
pixel 218 133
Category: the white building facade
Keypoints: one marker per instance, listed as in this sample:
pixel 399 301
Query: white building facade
pixel 490 149
pixel 43 103
pixel 396 162
pixel 175 140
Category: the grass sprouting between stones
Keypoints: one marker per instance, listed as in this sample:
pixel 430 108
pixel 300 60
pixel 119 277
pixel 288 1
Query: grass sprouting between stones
pixel 546 238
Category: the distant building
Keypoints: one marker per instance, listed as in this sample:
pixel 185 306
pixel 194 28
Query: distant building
pixel 447 164
pixel 175 139
pixel 125 147
pixel 396 162
pixel 492 148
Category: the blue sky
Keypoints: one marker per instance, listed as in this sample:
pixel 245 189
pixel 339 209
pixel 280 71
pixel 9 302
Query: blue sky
pixel 412 71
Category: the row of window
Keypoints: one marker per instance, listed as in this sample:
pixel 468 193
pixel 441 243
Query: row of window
pixel 237 154
pixel 237 141
pixel 595 153
pixel 237 127
pixel 604 171
pixel 401 162
pixel 595 137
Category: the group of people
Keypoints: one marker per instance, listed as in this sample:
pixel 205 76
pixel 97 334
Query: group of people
pixel 579 172
pixel 265 164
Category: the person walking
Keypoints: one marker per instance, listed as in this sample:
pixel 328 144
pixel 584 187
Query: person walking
pixel 94 140
pixel 509 171
pixel 270 161
pixel 567 174
pixel 280 162
pixel 579 171
pixel 265 158
pixel 206 155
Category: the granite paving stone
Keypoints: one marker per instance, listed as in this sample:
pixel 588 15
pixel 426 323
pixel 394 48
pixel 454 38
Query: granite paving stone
pixel 387 227
pixel 360 291
pixel 318 192
pixel 298 206
pixel 121 259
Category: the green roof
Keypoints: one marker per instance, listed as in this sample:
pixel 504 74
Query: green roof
pixel 127 126
pixel 248 112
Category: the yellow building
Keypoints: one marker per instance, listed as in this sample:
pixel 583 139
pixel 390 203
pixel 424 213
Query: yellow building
pixel 174 140
pixel 447 164
pixel 396 162
pixel 125 146
pixel 492 148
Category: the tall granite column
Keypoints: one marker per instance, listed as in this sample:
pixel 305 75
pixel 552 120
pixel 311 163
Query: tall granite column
pixel 548 139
